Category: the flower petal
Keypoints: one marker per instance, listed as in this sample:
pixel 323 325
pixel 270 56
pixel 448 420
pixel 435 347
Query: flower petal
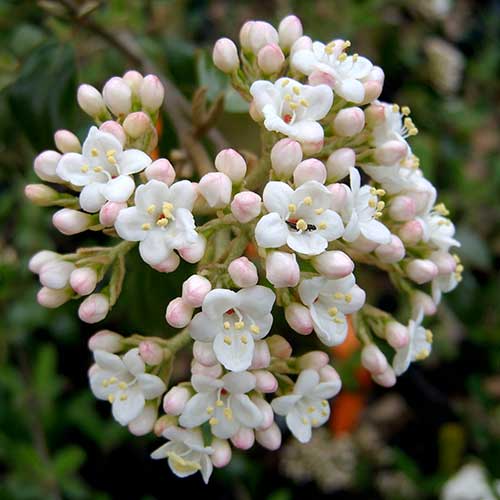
pixel 125 410
pixel 236 355
pixel 310 289
pixel 306 131
pixel 307 243
pixel 119 189
pixel 375 231
pixel 182 194
pixel 109 362
pixel 271 231
pixel 195 411
pixel 284 404
pixel 351 90
pixel 277 196
pixel 91 198
pixel 256 300
pixel 301 430
pixel 133 361
pixel 129 224
pixel 246 411
pixel 206 384
pixel 326 390
pixel 306 382
pixel 154 247
pixel 152 193
pixel 329 331
pixel 132 161
pixel 239 382
pixel 151 385
pixel 203 328
pixel 320 99
pixel 218 301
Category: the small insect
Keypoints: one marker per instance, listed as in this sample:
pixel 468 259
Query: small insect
pixel 293 225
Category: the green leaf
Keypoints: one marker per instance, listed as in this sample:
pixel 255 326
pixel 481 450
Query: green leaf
pixel 68 460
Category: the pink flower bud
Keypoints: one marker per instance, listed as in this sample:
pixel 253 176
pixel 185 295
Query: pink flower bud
pixel 222 453
pixel 179 313
pixel 255 34
pixel 328 373
pixel 312 147
pixel 194 290
pixel 67 142
pixel 373 89
pixel 137 124
pixel 115 129
pixel 423 194
pixel 109 212
pixel 106 340
pixel 282 269
pixel 55 274
pixel 69 221
pixel 47 297
pixel 392 252
pixel 364 245
pixel 194 252
pixel 411 232
pixel 376 75
pixel 261 356
pixel 299 318
pixel 396 335
pixel 255 113
pixel 90 100
pixel 161 170
pixel 246 206
pixel 314 360
pixel 286 154
pixel 94 308
pixel 134 80
pixel 421 271
pixel 333 264
pixel 402 208
pixel 83 280
pixel 269 438
pixel 266 410
pixel 175 400
pixel 243 272
pixel 386 379
pixel 243 439
pixel 216 188
pixel 373 359
pixel 163 423
pixel 279 347
pixel 144 423
pixel 45 165
pixel 169 265
pixel 270 59
pixel 41 195
pixel 421 300
pixel 40 259
pixel 150 352
pixel 265 381
pixel 214 371
pixel 349 122
pixel 225 55
pixel 245 34
pixel 339 196
pixel 117 96
pixel 302 43
pixel 151 93
pixel 374 114
pixel 391 152
pixel 204 353
pixel 339 163
pixel 231 163
pixel 445 262
pixel 309 170
pixel 289 31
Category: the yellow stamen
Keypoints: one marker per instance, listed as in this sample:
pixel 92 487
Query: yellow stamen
pixel 319 211
pixel 97 169
pixel 255 329
pixel 428 336
pixel 213 421
pixel 333 311
pixel 342 57
pixel 162 222
pixel 123 397
pixel 210 410
pixel 227 325
pixel 84 169
pixel 94 152
pixel 146 226
pixel 244 339
pixel 292 208
pixel 348 298
pixel 239 325
pixel 308 201
pixel 227 340
pixel 314 421
pixel 296 90
pixel 338 295
pixel 111 398
pixel 322 225
pixel 151 209
pixel 219 403
pixel 301 225
pixel 228 413
pixel 122 385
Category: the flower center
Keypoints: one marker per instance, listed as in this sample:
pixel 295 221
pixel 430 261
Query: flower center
pixel 119 386
pixel 233 321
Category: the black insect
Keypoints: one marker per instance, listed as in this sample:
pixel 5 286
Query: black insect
pixel 293 225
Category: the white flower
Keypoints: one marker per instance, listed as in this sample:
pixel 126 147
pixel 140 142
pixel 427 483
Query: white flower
pixel 124 383
pixel 103 168
pixel 223 403
pixel 329 301
pixel 418 348
pixel 360 212
pixel 446 282
pixel 301 219
pixel 439 231
pixel 470 483
pixel 307 406
pixel 397 126
pixel 346 72
pixel 233 321
pixel 186 453
pixel 292 108
pixel 161 219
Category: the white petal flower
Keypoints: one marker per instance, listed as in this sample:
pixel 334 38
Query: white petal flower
pixel 446 282
pixel 439 231
pixel 104 170
pixel 223 403
pixel 161 219
pixel 293 109
pixel 346 73
pixel 186 453
pixel 233 321
pixel 300 219
pixel 329 301
pixel 123 382
pixel 307 405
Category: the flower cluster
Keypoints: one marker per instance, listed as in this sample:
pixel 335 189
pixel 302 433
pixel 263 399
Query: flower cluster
pixel 336 187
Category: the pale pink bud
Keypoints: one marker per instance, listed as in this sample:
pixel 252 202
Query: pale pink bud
pixel 282 269
pixel 373 359
pixel 47 297
pixel 261 356
pixel 137 124
pixel 328 373
pixel 289 31
pixel 265 381
pixel 279 346
pixel 363 244
pixel 391 252
pixel 134 80
pixel 45 165
pixel 269 438
pixel 339 163
pixel 411 232
pixel 312 147
pixel 161 170
pixel 266 410
pixel 169 265
pixel 204 353
pixel 214 371
pixel 309 170
pixel 374 114
pixel 179 313
pixel 106 340
pixel 423 194
pixel 396 335
pixel 421 271
pixel 41 195
pixel 259 34
pixel 90 100
pixel 175 400
pixel 349 122
pixel 222 453
pixel 150 352
pixel 231 163
pixel 299 318
pixel 115 129
pixel 270 59
pixel 69 221
pixel 445 262
pixel 402 208
pixel 333 264
pixel 318 77
pixel 302 43
pixel 144 423
pixel 421 300
pixel 255 113
pixel 286 154
pixel 314 360
pixel 152 93
pixel 373 89
pixel 243 439
pixel 243 272
pixel 40 259
pixel 67 142
pixel 377 75
pixel 94 308
pixel 216 188
pixel 83 280
pixel 162 424
pixel 339 196
pixel 194 290
pixel 246 206
pixel 245 34
pixel 194 253
pixel 117 96
pixel 55 274
pixel 386 379
pixel 109 212
pixel 391 152
pixel 225 55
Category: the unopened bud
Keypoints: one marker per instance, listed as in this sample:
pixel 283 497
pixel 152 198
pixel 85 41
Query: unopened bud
pixel 421 300
pixel 47 297
pixel 243 439
pixel 349 122
pixel 231 163
pixel 386 379
pixel 90 100
pixel 302 43
pixel 137 124
pixel 67 142
pixel 83 280
pixel 286 154
pixel 392 252
pixel 261 356
pixel 339 163
pixel 269 438
pixel 179 313
pixel 222 453
pixel 69 221
pixel 163 423
pixel 328 373
pixel 40 259
pixel 150 352
pixel 396 335
pixel 309 170
pixel 282 269
pixel 144 423
pixel 411 232
pixel 175 400
pixel 216 188
pixel 289 31
pixel 279 347
pixel 246 206
pixel 45 165
pixel 374 114
pixel 106 340
pixel 314 360
pixel 117 96
pixel 299 318
pixel 134 80
pixel 373 359
pixel 243 272
pixel 266 410
pixel 152 93
pixel 391 152
pixel 445 262
pixel 270 59
pixel 169 265
pixel 109 212
pixel 373 89
pixel 41 195
pixel 94 308
pixel 402 208
pixel 339 196
pixel 194 290
pixel 421 271
pixel 333 264
pixel 194 253
pixel 265 381
pixel 115 129
pixel 161 170
pixel 55 274
pixel 204 353
pixel 256 34
pixel 225 55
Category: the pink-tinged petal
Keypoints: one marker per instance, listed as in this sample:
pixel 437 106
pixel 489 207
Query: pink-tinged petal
pixel 195 411
pixel 119 189
pixel 277 196
pixel 183 194
pixel 342 285
pixel 375 231
pixel 246 411
pixel 306 382
pixel 327 329
pixel 218 301
pixel 129 224
pixel 236 355
pixel 301 430
pixel 307 242
pixel 239 382
pixel 126 409
pixel 203 328
pixel 154 248
pixel 91 198
pixel 271 231
pixel 151 386
pixel 132 161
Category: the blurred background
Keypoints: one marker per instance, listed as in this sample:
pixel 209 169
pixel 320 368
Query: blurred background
pixel 441 57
